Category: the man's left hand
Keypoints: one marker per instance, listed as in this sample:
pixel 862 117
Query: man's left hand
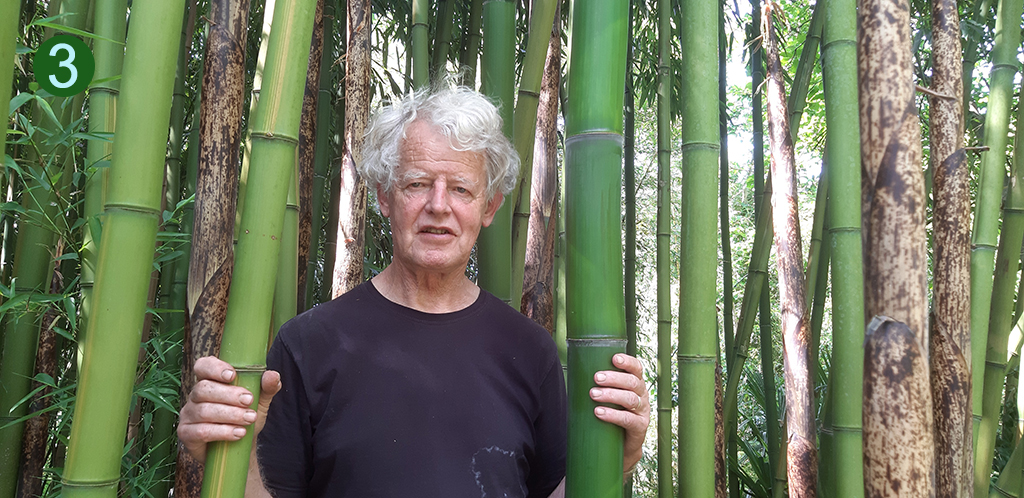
pixel 628 390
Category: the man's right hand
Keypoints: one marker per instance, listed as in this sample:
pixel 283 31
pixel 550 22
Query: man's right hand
pixel 219 411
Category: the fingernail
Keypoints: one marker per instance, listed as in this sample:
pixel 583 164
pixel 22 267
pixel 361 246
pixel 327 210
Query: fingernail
pixel 601 377
pixel 246 399
pixel 250 416
pixel 619 359
pixel 599 410
pixel 596 393
pixel 227 375
pixel 239 432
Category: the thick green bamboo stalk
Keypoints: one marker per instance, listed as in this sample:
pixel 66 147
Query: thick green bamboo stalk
pixel 443 37
pixel 663 248
pixel 471 43
pixel 8 37
pixel 979 13
pixel 991 178
pixel 110 23
pixel 524 126
pixel 629 182
pixel 257 85
pixel 287 261
pixel 839 75
pixel 1001 314
pixel 1009 482
pixel 494 245
pixel 274 132
pixel 560 334
pixel 125 260
pixel 594 300
pixel 697 277
pixel 321 160
pixel 420 42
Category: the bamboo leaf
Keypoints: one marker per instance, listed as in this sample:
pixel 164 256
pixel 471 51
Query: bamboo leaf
pixel 18 100
pixel 60 27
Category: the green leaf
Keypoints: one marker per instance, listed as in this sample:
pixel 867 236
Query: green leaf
pixel 21 49
pixel 96 229
pixel 18 100
pixel 96 83
pixel 60 27
pixel 12 207
pixel 11 164
pixel 68 256
pixel 46 107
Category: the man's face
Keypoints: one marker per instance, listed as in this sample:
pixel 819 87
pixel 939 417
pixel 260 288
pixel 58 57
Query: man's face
pixel 438 203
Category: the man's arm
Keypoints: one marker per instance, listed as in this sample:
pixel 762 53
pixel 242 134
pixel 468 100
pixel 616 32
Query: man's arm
pixel 559 491
pixel 254 487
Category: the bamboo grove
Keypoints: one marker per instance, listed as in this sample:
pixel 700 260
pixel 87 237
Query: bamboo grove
pixel 847 321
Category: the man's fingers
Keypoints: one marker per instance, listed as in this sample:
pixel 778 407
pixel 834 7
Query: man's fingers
pixel 629 364
pixel 622 418
pixel 620 380
pixel 216 413
pixel 196 435
pixel 270 384
pixel 213 368
pixel 627 399
pixel 209 391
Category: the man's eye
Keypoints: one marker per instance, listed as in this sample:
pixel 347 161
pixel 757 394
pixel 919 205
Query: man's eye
pixel 416 184
pixel 461 190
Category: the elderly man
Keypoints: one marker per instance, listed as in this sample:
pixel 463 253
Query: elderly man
pixel 416 383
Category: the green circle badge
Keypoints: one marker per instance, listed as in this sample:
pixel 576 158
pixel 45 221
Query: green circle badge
pixel 64 65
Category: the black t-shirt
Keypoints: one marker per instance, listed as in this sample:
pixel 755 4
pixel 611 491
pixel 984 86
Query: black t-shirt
pixel 380 400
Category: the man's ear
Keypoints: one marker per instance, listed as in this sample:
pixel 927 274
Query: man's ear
pixel 383 202
pixel 492 208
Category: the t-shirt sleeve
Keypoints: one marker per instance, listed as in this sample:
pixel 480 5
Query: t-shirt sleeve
pixel 284 449
pixel 547 467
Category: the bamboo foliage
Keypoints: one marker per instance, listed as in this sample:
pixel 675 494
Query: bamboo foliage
pixel 274 131
pixel 43 199
pixel 950 324
pixel 898 426
pixel 801 451
pixel 129 234
pixel 594 299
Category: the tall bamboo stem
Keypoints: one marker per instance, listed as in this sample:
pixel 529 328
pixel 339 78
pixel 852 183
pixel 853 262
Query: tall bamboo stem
pixel 663 248
pixel 322 161
pixel 308 138
pixel 697 277
pixel 596 325
pixel 126 254
pixel 420 42
pixel 991 178
pixel 274 131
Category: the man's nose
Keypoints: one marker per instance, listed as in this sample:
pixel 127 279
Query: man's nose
pixel 439 199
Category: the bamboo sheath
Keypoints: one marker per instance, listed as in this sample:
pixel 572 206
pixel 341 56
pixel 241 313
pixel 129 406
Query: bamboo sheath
pixel 494 245
pixel 274 133
pixel 801 452
pixel 595 313
pixel 698 335
pixel 899 451
pixel 992 174
pixel 524 126
pixel 757 269
pixel 663 251
pixel 350 225
pixel 950 324
pixel 43 202
pixel 839 76
pixel 125 259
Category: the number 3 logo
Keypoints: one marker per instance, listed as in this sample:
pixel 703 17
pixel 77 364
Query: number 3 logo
pixel 64 65
pixel 67 63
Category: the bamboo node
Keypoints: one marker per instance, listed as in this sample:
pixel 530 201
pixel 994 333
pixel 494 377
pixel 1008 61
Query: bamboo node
pixel 696 358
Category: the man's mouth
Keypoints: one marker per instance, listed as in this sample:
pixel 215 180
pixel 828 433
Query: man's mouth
pixel 439 231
